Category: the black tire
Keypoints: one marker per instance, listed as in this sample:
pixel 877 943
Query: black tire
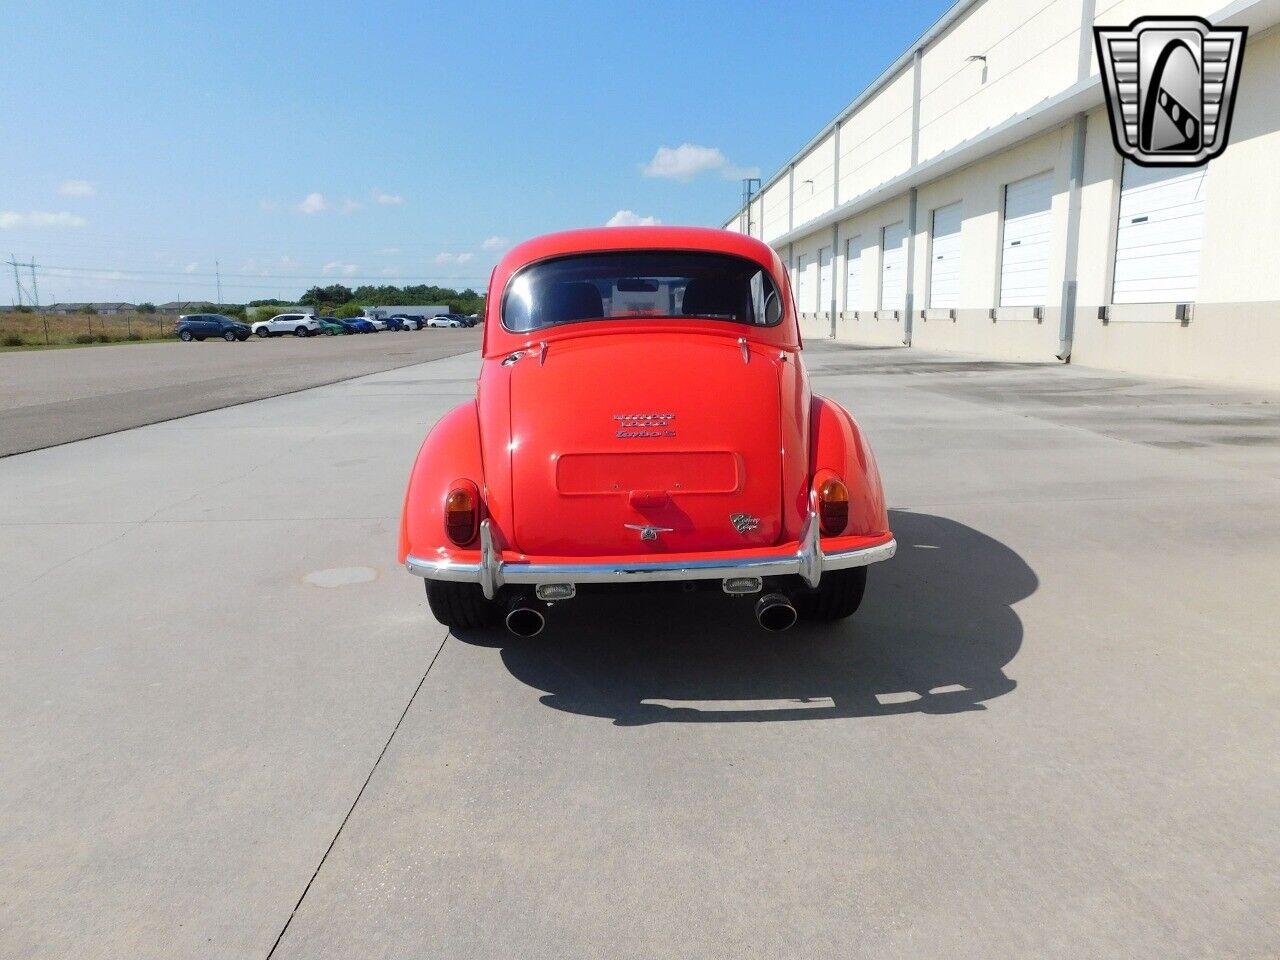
pixel 839 595
pixel 300 332
pixel 263 332
pixel 185 336
pixel 460 606
pixel 229 336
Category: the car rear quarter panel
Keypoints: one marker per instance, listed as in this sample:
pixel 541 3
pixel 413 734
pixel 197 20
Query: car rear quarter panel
pixel 838 444
pixel 450 452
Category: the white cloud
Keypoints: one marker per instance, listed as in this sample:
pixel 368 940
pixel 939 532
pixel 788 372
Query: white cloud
pixel 351 206
pixel 688 160
pixel 629 218
pixel 338 267
pixel 191 267
pixel 76 188
pixel 313 203
pixel 391 271
pixel 455 257
pixel 386 198
pixel 496 243
pixel 39 218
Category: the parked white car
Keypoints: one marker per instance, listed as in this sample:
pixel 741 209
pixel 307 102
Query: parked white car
pixel 445 320
pixel 378 323
pixel 410 323
pixel 298 324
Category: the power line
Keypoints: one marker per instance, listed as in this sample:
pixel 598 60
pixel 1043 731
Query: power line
pixel 125 273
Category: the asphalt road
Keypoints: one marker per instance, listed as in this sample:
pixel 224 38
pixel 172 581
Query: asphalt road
pixel 232 730
pixel 56 396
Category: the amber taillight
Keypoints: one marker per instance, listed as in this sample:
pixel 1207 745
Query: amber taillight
pixel 461 514
pixel 833 506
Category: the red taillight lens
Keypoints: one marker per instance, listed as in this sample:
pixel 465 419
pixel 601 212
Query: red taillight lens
pixel 461 515
pixel 833 506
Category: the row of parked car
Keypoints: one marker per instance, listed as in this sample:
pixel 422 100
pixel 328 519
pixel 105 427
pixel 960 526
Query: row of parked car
pixel 202 326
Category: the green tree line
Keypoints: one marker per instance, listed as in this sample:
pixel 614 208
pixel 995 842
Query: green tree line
pixel 336 295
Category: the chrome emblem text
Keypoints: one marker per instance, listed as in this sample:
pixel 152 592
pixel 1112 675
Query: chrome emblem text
pixel 744 522
pixel 636 426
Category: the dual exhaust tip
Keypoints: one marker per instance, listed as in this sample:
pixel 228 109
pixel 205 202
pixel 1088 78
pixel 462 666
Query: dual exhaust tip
pixel 774 612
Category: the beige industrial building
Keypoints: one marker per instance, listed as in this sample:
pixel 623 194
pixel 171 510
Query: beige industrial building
pixel 974 189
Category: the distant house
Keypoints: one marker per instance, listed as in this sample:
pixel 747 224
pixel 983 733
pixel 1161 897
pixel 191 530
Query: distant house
pixel 102 309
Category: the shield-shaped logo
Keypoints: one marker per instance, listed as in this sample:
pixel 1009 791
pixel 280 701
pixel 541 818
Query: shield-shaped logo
pixel 1170 84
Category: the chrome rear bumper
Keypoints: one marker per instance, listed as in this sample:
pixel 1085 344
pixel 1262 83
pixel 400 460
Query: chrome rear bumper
pixel 807 561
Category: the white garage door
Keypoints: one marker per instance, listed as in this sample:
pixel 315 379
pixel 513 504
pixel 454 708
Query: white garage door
pixel 853 274
pixel 804 288
pixel 1158 236
pixel 893 267
pixel 1024 258
pixel 944 267
pixel 826 279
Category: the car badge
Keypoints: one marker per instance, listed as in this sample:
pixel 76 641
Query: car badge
pixel 1171 85
pixel 640 426
pixel 647 531
pixel 744 523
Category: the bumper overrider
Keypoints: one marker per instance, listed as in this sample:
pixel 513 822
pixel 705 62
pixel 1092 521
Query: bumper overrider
pixel 805 559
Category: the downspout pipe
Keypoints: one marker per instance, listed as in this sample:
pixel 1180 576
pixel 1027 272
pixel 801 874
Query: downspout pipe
pixel 1070 280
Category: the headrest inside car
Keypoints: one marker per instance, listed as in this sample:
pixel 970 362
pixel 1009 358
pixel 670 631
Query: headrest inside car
pixel 566 302
pixel 712 297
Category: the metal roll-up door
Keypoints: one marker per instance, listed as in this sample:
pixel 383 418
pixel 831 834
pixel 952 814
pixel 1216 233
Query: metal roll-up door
pixel 1158 237
pixel 826 279
pixel 853 274
pixel 944 262
pixel 1024 257
pixel 893 267
pixel 804 289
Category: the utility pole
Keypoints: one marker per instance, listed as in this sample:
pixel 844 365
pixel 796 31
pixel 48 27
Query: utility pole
pixel 750 187
pixel 35 295
pixel 17 284
pixel 35 290
pixel 217 272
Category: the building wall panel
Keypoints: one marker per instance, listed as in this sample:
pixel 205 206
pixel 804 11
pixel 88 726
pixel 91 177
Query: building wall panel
pixel 815 180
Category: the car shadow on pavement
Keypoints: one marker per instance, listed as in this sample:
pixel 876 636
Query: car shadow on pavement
pixel 934 634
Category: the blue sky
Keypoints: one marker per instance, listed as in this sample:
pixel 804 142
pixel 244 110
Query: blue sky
pixel 327 141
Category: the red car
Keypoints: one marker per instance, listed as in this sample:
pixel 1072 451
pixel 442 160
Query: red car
pixel 642 414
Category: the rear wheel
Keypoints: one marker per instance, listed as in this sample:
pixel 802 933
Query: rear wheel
pixel 460 606
pixel 300 332
pixel 185 336
pixel 839 595
pixel 229 336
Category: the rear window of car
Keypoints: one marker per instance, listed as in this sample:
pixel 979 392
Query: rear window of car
pixel 629 285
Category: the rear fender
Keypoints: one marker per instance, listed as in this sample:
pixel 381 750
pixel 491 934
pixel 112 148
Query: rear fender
pixel 839 445
pixel 450 452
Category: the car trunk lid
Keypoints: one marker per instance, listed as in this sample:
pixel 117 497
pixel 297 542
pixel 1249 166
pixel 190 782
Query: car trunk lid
pixel 642 443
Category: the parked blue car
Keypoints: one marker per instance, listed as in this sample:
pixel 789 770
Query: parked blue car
pixel 358 325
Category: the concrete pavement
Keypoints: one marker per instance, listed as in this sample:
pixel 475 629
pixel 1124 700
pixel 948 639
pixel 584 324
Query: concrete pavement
pixel 56 396
pixel 1050 732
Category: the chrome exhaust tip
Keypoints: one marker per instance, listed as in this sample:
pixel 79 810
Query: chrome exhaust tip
pixel 525 621
pixel 774 612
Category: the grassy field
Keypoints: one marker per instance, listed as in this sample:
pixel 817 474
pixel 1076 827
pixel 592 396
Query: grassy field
pixel 26 331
